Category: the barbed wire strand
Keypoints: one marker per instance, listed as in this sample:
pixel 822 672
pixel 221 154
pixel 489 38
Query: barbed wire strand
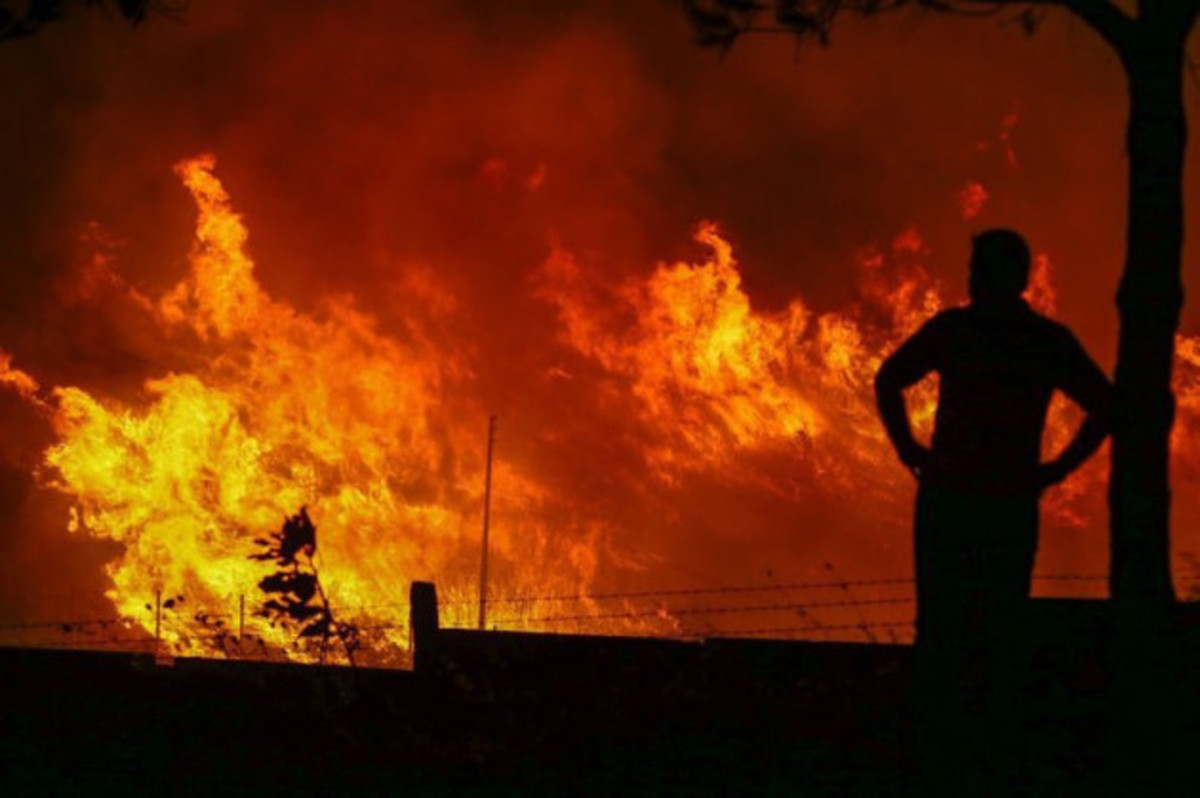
pixel 684 592
pixel 203 615
pixel 664 613
pixel 731 589
pixel 830 585
pixel 810 629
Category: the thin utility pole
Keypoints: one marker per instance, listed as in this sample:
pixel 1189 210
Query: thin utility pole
pixel 487 510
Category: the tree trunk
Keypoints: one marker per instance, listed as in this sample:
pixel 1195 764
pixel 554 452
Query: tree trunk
pixel 1149 302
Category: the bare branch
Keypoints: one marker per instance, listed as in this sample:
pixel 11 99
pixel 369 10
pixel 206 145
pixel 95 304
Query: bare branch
pixel 1172 11
pixel 1106 19
pixel 1113 24
pixel 39 13
pixel 718 23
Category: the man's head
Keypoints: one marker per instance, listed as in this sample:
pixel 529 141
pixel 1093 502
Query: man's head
pixel 999 266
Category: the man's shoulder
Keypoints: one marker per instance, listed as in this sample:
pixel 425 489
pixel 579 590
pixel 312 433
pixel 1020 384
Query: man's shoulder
pixel 951 321
pixel 1050 329
pixel 949 317
pixel 1023 317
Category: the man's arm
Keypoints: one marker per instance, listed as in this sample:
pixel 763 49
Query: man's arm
pixel 915 358
pixel 1084 382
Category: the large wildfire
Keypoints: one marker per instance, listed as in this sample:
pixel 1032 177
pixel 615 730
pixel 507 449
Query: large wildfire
pixel 671 278
pixel 381 438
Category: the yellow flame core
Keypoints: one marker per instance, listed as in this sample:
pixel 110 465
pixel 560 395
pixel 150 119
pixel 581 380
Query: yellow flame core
pixel 291 411
pixel 700 360
pixel 294 410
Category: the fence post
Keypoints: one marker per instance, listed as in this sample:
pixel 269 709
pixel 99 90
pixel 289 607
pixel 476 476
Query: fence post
pixel 423 624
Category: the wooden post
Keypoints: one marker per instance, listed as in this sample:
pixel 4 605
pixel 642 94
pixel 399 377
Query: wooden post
pixel 487 509
pixel 423 624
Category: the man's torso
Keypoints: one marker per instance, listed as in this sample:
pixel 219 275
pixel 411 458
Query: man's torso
pixel 998 369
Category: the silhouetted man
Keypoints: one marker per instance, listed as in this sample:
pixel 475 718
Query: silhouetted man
pixel 976 523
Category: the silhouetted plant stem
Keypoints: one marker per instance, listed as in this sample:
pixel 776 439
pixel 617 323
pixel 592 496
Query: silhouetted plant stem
pixel 295 587
pixel 337 628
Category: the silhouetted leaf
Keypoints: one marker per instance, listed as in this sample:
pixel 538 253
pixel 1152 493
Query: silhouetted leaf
pixel 133 10
pixel 714 27
pixel 303 586
pixel 1029 21
pixel 39 13
pixel 319 627
pixel 299 536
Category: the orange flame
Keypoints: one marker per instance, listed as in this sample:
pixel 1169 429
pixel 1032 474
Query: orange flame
pixel 715 379
pixel 292 410
pixel 325 410
pixel 16 380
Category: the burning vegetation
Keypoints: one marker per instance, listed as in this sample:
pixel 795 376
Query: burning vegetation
pixel 378 435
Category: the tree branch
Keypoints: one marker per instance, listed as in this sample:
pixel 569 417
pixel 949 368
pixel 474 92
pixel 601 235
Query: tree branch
pixel 1176 15
pixel 1106 19
pixel 719 23
pixel 39 13
pixel 1113 24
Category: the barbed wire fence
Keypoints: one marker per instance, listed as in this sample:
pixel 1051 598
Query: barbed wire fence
pixel 823 611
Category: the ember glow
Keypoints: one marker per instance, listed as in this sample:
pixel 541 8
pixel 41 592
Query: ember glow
pixel 972 198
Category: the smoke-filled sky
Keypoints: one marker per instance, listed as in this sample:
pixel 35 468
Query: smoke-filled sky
pixel 426 159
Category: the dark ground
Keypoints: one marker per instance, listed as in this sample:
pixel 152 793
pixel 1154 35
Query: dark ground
pixel 515 713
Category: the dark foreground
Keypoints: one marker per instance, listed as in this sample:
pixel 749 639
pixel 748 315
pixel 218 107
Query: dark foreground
pixel 509 713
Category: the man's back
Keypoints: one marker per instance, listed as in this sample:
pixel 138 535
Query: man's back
pixel 998 365
pixel 998 369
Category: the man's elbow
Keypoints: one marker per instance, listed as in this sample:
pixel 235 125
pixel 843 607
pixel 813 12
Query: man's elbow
pixel 886 382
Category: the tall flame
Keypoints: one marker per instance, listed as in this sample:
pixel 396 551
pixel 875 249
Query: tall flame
pixel 376 436
pixel 291 410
